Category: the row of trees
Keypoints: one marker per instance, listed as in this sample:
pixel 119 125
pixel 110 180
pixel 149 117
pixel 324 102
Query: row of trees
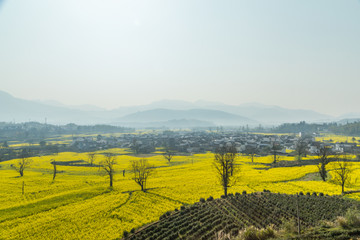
pixel 225 165
pixel 227 169
pixel 35 131
pixel 301 150
pixel 141 169
pixel 348 129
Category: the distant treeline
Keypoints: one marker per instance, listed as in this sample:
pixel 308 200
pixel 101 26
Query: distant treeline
pixel 34 131
pixel 350 129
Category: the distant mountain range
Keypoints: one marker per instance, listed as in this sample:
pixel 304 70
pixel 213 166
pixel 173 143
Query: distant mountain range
pixel 215 116
pixel 166 113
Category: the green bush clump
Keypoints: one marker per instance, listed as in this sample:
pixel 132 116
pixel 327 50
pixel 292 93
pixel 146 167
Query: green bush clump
pixel 351 219
pixel 289 226
pixel 253 233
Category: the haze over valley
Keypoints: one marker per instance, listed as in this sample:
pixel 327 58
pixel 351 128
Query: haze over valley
pixel 165 113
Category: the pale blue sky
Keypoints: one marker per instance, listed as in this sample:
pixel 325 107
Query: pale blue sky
pixel 291 53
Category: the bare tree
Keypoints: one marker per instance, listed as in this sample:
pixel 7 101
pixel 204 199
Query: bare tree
pixel 251 151
pixel 274 150
pixel 91 158
pixel 135 146
pixel 142 170
pixel 323 154
pixel 224 163
pixel 55 149
pixel 301 148
pixel 22 163
pixel 342 172
pixel 5 144
pixel 108 166
pixel 168 154
pixel 53 162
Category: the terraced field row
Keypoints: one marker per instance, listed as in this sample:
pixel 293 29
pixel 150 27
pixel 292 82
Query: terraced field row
pixel 203 220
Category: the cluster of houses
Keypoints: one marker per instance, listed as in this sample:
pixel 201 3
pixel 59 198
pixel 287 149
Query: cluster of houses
pixel 203 141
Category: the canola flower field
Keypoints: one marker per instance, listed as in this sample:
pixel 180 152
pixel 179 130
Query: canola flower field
pixel 80 205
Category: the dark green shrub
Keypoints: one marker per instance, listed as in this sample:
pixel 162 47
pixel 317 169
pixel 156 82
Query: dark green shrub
pixel 234 232
pixel 182 231
pixel 125 234
pixel 244 192
pixel 202 200
pixel 210 198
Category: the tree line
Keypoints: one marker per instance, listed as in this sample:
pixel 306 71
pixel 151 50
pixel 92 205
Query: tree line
pixel 350 129
pixel 35 131
pixel 225 164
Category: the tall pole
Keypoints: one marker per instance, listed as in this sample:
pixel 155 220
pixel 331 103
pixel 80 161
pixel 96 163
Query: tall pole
pixel 298 215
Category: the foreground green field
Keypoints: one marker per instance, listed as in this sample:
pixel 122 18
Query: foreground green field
pixel 79 204
pixel 231 217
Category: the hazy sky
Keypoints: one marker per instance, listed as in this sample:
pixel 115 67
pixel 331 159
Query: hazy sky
pixel 110 53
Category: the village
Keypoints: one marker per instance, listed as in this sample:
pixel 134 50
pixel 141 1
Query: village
pixel 204 141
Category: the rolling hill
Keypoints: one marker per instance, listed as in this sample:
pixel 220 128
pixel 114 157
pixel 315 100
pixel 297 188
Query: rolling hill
pixel 157 113
pixel 266 114
pixel 20 110
pixel 215 116
pixel 203 220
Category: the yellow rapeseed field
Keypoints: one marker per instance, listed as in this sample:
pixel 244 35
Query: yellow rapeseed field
pixel 79 204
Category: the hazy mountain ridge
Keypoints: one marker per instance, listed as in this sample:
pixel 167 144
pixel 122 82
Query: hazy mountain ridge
pixel 159 112
pixel 265 114
pixel 215 116
pixel 175 123
pixel 20 110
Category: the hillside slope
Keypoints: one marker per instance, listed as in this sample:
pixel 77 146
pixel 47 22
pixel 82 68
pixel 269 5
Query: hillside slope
pixel 232 214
